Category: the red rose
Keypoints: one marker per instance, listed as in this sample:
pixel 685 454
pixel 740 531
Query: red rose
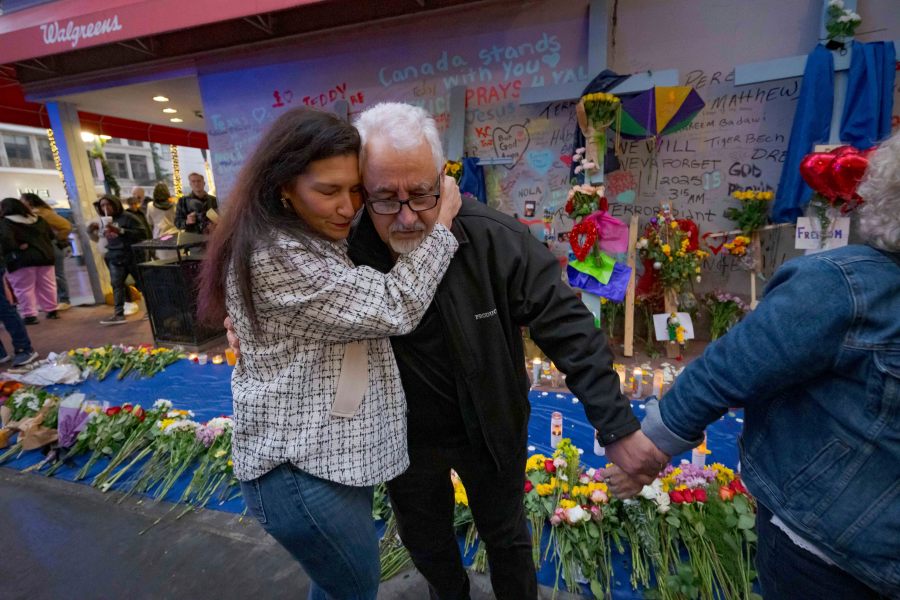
pixel 738 487
pixel 700 495
pixel 688 497
pixel 528 486
pixel 677 496
pixel 604 204
pixel 113 411
pixel 726 493
pixel 139 414
pixel 570 206
pixel 127 407
pixel 549 466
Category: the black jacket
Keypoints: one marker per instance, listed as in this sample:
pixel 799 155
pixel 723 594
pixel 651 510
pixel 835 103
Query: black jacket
pixel 37 235
pixel 188 204
pixel 500 280
pixel 132 232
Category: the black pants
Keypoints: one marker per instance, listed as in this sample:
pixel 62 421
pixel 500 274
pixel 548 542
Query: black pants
pixel 422 499
pixel 120 267
pixel 788 572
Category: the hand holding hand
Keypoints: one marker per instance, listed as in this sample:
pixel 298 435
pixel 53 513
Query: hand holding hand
pixel 635 454
pixel 191 218
pixel 622 485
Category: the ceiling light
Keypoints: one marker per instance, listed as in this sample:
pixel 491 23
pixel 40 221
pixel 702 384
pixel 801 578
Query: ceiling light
pixel 160 99
pixel 87 136
pixel 169 111
pixel 176 120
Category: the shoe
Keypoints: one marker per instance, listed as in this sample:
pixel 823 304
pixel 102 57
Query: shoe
pixel 115 320
pixel 25 358
pixel 5 358
pixel 53 314
pixel 31 320
pixel 63 306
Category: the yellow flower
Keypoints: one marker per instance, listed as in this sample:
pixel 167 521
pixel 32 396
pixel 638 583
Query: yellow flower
pixel 535 462
pixel 544 489
pixel 667 250
pixel 674 225
pixel 697 270
pixel 230 463
pixel 679 334
pixel 165 423
pixel 564 503
pixel 221 453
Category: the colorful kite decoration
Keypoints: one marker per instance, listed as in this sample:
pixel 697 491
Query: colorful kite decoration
pixel 658 112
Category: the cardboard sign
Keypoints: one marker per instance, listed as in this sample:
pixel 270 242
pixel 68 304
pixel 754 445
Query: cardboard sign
pixel 661 328
pixel 809 234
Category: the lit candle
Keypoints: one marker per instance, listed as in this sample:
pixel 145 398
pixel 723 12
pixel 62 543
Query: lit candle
pixel 202 358
pixel 638 382
pixel 218 360
pixel 620 369
pixel 556 430
pixel 536 372
pixel 698 454
pixel 192 357
pixel 658 382
pixel 230 357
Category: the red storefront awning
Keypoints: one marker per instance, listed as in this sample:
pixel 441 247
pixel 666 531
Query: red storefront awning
pixel 15 109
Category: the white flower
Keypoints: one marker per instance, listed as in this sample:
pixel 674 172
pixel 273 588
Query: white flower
pixel 579 169
pixel 657 265
pixel 560 463
pixel 648 492
pixel 835 3
pixel 162 404
pixel 698 279
pixel 181 426
pixel 221 423
pixel 844 18
pixel 643 243
pixel 591 472
pixel 663 509
pixel 33 405
pixel 855 17
pixel 576 515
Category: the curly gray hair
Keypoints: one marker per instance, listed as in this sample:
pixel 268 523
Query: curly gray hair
pixel 879 217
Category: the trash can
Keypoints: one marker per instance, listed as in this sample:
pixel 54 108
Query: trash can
pixel 170 292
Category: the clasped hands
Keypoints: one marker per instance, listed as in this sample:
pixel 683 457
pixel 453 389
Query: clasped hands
pixel 636 463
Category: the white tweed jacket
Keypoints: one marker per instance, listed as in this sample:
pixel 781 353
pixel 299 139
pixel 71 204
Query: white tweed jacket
pixel 310 302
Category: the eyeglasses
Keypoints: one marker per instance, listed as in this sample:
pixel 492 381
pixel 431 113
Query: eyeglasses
pixel 392 206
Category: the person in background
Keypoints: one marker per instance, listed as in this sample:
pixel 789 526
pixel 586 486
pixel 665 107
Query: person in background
pixel 120 229
pixel 136 208
pixel 23 351
pixel 27 243
pixel 191 214
pixel 161 215
pixel 816 368
pixel 61 247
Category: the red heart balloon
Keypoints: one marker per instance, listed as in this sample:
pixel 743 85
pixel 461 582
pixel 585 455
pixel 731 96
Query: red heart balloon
pixel 846 172
pixel 815 168
pixel 581 248
pixel 841 150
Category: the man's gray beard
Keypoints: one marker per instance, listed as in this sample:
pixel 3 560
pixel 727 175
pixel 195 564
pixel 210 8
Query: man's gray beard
pixel 406 246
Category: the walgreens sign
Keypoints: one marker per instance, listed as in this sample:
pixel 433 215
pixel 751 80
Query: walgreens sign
pixel 70 33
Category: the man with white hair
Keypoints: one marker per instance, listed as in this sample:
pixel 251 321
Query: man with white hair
pixel 816 368
pixel 463 368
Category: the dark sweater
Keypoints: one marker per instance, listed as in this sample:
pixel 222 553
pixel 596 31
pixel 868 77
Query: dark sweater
pixel 33 231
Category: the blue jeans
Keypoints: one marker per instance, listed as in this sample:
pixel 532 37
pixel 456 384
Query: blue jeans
pixel 13 323
pixel 326 526
pixel 788 572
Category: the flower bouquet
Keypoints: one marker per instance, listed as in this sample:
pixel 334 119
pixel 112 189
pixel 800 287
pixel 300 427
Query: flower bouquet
pixel 753 211
pixel 215 472
pixel 725 310
pixel 34 414
pixel 596 112
pixel 105 436
pixel 454 169
pixel 671 253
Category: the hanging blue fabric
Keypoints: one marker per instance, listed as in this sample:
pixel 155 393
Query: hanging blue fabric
pixel 870 94
pixel 472 180
pixel 812 124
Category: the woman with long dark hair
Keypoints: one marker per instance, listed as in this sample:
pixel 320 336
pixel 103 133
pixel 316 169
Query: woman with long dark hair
pixel 27 243
pixel 318 404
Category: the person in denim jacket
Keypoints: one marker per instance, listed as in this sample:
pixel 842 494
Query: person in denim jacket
pixel 816 368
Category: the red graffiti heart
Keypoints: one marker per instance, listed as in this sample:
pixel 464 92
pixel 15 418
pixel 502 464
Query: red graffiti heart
pixel 582 238
pixel 714 249
pixel 566 159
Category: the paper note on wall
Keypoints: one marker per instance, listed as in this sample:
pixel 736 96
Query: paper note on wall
pixel 809 234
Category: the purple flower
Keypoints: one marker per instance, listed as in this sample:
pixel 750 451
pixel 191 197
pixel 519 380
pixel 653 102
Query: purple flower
pixel 205 435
